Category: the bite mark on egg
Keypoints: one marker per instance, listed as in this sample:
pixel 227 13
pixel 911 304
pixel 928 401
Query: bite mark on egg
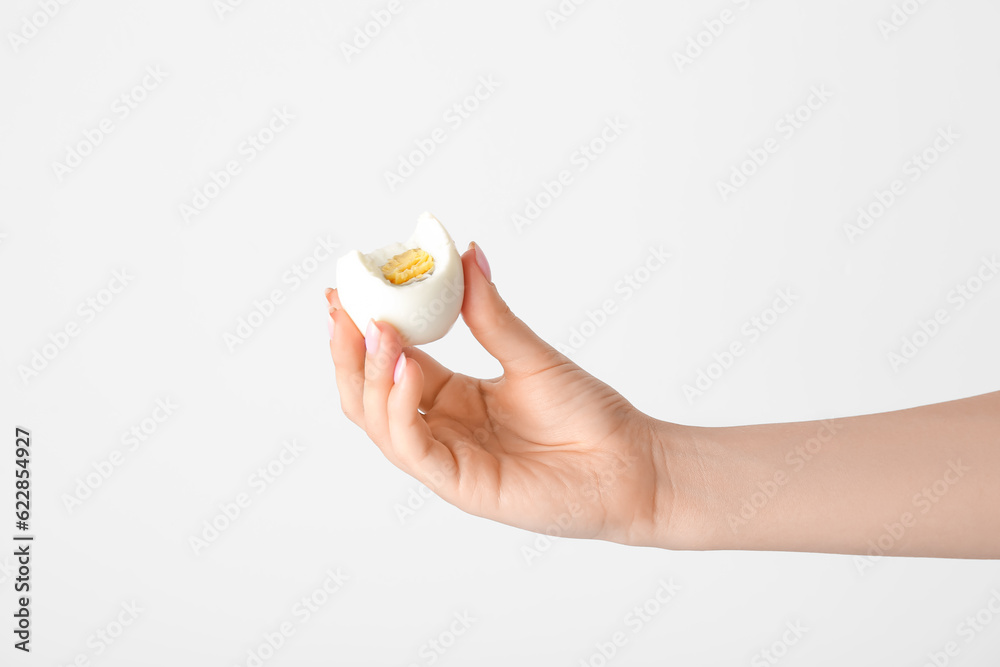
pixel 413 265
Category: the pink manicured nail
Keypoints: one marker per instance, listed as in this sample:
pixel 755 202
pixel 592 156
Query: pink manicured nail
pixel 372 335
pixel 400 365
pixel 484 266
pixel 330 325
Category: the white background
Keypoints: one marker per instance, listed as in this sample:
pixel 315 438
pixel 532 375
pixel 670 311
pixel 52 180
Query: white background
pixel 335 506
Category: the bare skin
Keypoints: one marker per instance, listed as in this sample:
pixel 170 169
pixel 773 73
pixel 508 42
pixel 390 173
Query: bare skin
pixel 548 447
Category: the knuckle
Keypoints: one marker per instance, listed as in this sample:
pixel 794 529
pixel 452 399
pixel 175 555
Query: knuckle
pixel 352 412
pixel 502 318
pixel 354 383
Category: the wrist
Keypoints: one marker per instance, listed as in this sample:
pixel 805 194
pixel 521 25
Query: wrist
pixel 686 488
pixel 671 490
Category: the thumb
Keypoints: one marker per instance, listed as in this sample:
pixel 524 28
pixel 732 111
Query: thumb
pixel 518 349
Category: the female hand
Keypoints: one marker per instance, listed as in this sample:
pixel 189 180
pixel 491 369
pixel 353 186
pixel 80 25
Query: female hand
pixel 546 446
pixel 549 448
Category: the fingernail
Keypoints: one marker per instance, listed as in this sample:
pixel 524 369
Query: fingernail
pixel 484 266
pixel 400 365
pixel 330 324
pixel 372 335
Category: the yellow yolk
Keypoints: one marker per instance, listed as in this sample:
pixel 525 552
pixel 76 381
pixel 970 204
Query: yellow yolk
pixel 404 267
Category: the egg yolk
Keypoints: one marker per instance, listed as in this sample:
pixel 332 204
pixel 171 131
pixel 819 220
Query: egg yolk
pixel 407 266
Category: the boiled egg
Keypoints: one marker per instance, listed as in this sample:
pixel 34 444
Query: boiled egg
pixel 416 286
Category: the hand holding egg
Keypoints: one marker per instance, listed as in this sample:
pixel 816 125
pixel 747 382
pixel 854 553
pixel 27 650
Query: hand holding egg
pixel 519 448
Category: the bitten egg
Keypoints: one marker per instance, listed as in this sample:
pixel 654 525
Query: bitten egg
pixel 416 286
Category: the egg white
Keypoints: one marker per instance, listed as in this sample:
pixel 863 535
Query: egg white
pixel 422 310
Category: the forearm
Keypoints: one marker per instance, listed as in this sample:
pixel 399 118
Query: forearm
pixel 917 482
